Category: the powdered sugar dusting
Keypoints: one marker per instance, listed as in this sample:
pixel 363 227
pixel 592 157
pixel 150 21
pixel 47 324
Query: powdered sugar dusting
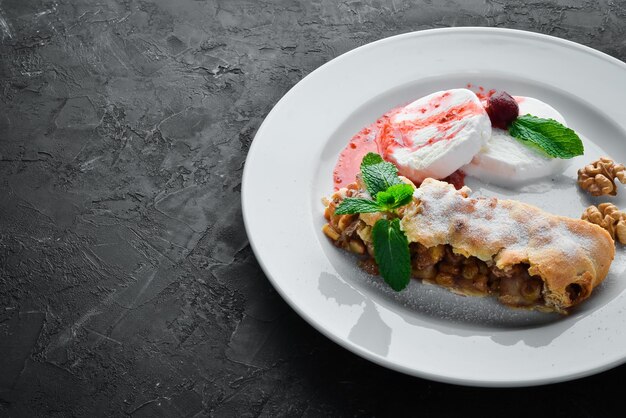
pixel 448 215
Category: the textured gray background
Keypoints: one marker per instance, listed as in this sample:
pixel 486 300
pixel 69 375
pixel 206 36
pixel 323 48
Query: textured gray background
pixel 127 285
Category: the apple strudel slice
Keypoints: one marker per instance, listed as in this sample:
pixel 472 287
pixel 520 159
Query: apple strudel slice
pixel 517 252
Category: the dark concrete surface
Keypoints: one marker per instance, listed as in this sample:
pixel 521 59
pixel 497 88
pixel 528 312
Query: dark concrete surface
pixel 127 285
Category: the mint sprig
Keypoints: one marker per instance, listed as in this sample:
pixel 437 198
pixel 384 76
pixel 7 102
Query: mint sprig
pixel 386 201
pixel 351 205
pixel 391 252
pixel 547 135
pixel 391 246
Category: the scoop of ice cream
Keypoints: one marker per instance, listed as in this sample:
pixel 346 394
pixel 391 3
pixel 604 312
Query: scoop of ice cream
pixel 504 161
pixel 435 135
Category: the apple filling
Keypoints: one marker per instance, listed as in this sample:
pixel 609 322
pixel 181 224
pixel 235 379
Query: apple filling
pixel 468 275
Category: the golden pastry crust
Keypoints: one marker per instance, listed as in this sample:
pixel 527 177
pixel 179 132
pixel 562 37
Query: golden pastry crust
pixel 570 256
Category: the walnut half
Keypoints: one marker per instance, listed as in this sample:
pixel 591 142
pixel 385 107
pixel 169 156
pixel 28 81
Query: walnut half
pixel 598 178
pixel 609 217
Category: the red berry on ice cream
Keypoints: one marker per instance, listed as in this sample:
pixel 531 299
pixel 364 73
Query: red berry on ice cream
pixel 502 109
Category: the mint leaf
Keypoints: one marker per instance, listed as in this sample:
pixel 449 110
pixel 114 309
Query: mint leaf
pixel 395 196
pixel 402 193
pixel 377 174
pixel 547 135
pixel 391 252
pixel 352 205
pixel 371 158
pixel 386 199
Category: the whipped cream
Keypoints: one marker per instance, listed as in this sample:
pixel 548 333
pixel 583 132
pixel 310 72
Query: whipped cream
pixel 436 134
pixel 505 161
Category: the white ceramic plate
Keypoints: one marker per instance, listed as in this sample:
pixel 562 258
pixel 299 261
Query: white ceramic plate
pixel 427 331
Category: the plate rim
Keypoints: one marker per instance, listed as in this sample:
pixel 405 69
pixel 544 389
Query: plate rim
pixel 354 347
